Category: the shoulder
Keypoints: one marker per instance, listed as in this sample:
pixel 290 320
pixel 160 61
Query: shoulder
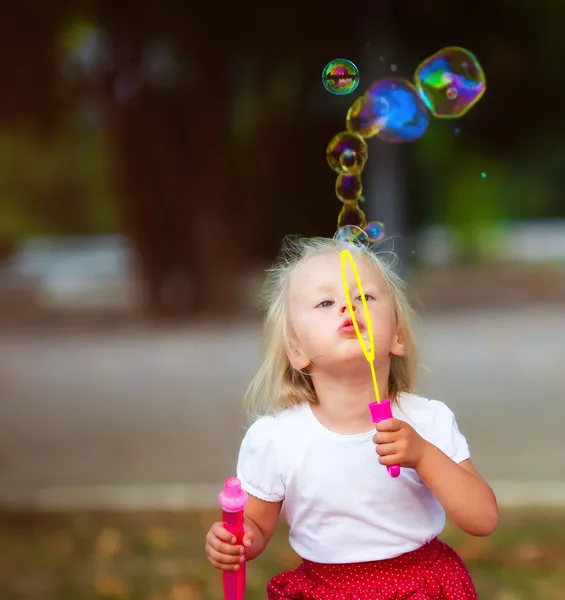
pixel 268 428
pixel 434 421
pixel 423 413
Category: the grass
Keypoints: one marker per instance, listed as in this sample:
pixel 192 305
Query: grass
pixel 160 557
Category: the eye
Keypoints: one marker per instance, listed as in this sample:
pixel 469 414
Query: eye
pixel 325 304
pixel 367 297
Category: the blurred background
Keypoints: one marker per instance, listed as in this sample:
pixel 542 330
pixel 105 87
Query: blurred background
pixel 152 157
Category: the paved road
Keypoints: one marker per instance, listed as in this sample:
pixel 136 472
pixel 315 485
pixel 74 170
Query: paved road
pixel 150 407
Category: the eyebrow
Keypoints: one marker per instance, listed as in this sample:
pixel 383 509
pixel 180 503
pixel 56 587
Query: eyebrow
pixel 324 288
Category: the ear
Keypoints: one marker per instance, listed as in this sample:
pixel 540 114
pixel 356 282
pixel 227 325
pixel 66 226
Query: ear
pixel 398 346
pixel 296 356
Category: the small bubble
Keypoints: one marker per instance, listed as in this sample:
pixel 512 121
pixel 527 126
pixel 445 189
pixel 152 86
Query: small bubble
pixel 484 175
pixel 348 187
pixel 375 230
pixel 346 153
pixel 351 234
pixel 340 76
pixel 457 131
pixel 393 67
pixel 352 215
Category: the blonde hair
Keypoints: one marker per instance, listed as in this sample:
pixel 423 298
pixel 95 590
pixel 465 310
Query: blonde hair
pixel 277 385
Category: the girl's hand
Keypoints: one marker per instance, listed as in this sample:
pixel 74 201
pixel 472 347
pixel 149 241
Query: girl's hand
pixel 221 549
pixel 399 444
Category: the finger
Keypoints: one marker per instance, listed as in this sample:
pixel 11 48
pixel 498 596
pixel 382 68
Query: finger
pixel 223 567
pixel 224 548
pixel 389 425
pixel 247 540
pixel 389 460
pixel 386 449
pixel 221 532
pixel 225 559
pixel 385 437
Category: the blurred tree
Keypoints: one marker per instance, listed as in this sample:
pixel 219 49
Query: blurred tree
pixel 216 123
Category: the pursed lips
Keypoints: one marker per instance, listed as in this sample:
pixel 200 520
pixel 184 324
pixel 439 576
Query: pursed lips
pixel 347 326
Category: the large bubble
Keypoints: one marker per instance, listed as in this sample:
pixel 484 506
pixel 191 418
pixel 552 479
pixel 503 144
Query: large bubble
pixel 450 82
pixel 392 110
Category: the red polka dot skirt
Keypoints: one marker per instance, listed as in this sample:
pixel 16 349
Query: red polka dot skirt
pixel 433 572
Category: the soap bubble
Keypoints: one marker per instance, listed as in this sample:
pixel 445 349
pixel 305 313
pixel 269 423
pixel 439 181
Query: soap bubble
pixel 391 109
pixel 361 121
pixel 348 161
pixel 351 234
pixel 340 76
pixel 347 153
pixel 348 187
pixel 450 82
pixel 351 214
pixel 375 230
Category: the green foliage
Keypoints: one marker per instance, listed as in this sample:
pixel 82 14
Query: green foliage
pixel 56 185
pixel 138 556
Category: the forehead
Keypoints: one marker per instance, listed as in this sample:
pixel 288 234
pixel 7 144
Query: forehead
pixel 324 271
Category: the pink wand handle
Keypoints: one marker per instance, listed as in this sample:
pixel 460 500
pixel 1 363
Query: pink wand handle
pixel 232 500
pixel 381 412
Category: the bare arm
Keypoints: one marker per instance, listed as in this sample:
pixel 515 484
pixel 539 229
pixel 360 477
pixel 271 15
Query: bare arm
pixel 261 518
pixel 465 496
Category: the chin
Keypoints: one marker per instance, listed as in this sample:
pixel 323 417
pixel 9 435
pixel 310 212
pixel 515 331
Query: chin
pixel 350 358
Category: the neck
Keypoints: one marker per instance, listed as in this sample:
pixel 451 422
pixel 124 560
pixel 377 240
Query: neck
pixel 343 399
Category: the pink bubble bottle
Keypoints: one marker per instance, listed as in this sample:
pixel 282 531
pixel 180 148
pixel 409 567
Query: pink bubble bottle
pixel 380 411
pixel 233 500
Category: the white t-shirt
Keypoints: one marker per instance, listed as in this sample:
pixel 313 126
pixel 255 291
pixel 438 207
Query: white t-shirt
pixel 341 504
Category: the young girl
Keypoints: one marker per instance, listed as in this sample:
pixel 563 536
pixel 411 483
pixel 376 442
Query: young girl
pixel 361 534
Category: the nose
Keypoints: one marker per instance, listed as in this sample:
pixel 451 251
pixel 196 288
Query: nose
pixel 343 307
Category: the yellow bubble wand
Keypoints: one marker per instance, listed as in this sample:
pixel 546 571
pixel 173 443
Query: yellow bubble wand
pixel 379 411
pixel 369 354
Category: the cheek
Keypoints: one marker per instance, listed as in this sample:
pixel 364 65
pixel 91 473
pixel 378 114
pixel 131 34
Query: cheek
pixel 383 320
pixel 312 333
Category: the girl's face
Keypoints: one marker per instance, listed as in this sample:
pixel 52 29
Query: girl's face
pixel 320 322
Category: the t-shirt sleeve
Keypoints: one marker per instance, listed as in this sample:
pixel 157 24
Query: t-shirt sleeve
pixel 257 467
pixel 445 433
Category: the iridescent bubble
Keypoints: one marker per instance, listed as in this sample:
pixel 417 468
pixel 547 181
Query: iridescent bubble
pixel 351 214
pixel 348 161
pixel 340 76
pixel 375 230
pixel 391 109
pixel 450 82
pixel 348 188
pixel 351 234
pixel 342 149
pixel 360 121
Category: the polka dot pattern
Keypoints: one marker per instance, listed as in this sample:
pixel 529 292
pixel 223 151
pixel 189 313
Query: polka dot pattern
pixel 433 572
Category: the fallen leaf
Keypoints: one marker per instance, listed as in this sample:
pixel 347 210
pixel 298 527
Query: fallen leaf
pixel 62 543
pixel 160 538
pixel 107 585
pixel 108 543
pixel 185 591
pixel 474 548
